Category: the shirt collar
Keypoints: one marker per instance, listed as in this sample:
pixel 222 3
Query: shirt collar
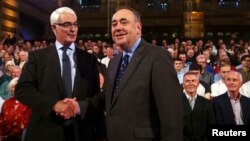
pixel 59 46
pixel 238 98
pixel 132 49
pixel 189 97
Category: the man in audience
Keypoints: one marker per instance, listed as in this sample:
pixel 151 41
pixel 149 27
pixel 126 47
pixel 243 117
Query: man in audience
pixel 206 75
pixel 178 66
pixel 210 59
pixel 197 111
pixel 219 87
pixel 109 52
pixel 203 88
pixel 183 57
pixel 232 107
pixel 245 70
pixel 190 56
pixel 23 58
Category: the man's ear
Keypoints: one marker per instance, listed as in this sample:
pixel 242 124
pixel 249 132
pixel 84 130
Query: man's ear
pixel 53 27
pixel 139 27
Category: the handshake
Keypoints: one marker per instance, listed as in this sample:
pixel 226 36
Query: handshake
pixel 67 108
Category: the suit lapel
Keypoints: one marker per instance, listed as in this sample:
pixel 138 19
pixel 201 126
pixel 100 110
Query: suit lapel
pixel 56 69
pixel 186 105
pixel 130 69
pixel 78 62
pixel 227 105
pixel 197 104
pixel 76 82
pixel 244 109
pixel 114 71
pixel 114 66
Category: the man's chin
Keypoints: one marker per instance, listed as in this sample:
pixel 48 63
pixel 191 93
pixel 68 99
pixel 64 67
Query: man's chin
pixel 120 42
pixel 71 40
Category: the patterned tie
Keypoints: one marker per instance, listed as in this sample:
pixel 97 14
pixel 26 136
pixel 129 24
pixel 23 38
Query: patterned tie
pixel 122 70
pixel 67 80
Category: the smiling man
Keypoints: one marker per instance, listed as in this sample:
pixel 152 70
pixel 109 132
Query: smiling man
pixel 232 107
pixel 198 111
pixel 57 83
pixel 143 95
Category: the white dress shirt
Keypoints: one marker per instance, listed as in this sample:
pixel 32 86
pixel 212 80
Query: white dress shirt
pixel 218 88
pixel 245 89
pixel 70 53
pixel 105 61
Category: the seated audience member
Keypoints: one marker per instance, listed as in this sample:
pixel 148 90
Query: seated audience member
pixel 23 58
pixel 245 70
pixel 222 58
pixel 183 57
pixel 207 70
pixel 245 89
pixel 179 68
pixel 210 59
pixel 14 116
pixel 232 107
pixel 6 73
pixel 16 59
pixel 219 87
pixel 197 110
pixel 14 72
pixel 190 56
pixel 203 88
pixel 109 53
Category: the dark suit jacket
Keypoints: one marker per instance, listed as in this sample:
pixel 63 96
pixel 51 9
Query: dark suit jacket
pixel 40 86
pixel 148 105
pixel 196 121
pixel 224 110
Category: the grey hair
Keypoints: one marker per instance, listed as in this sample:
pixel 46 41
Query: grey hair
pixel 237 73
pixel 12 84
pixel 54 17
pixel 24 52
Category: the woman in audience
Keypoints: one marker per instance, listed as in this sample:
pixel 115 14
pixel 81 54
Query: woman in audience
pixel 14 117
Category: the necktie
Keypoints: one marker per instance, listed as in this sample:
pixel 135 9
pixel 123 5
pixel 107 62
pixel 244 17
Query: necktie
pixel 67 80
pixel 122 69
pixel 192 102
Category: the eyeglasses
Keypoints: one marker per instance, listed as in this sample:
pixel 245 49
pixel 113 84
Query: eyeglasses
pixel 68 25
pixel 248 60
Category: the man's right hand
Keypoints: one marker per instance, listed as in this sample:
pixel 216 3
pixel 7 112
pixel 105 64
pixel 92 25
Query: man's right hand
pixel 64 109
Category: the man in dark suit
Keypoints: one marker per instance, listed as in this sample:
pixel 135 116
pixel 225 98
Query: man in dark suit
pixel 59 113
pixel 232 107
pixel 198 111
pixel 143 95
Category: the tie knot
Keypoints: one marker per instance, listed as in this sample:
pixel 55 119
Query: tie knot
pixel 125 57
pixel 64 49
pixel 192 98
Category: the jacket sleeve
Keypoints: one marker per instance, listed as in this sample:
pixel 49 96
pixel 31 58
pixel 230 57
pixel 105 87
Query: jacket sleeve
pixel 27 91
